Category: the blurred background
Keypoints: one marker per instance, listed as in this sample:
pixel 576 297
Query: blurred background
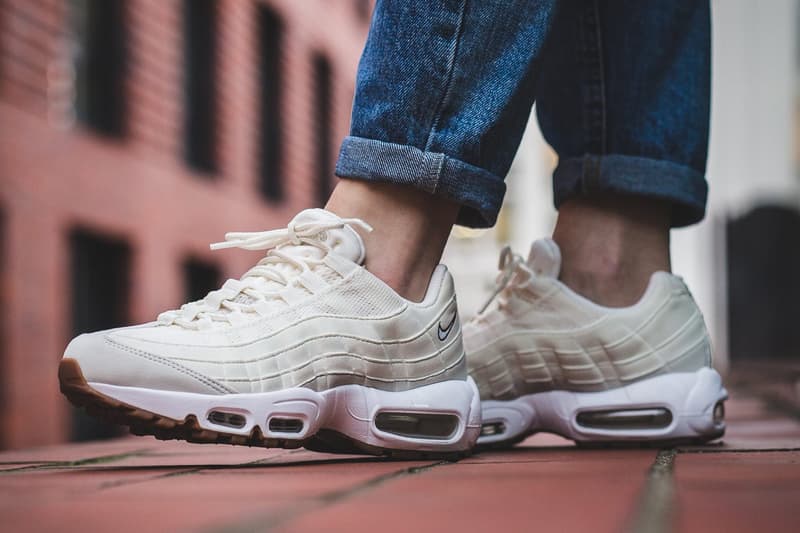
pixel 135 132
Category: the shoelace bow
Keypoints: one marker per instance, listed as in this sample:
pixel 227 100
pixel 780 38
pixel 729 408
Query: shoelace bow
pixel 281 244
pixel 512 267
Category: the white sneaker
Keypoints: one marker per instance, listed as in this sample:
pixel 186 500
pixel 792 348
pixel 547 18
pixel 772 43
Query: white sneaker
pixel 547 359
pixel 306 349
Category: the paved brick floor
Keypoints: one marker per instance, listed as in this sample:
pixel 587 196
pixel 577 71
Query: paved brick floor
pixel 750 482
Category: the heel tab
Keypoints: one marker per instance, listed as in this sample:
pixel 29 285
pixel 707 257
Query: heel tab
pixel 666 281
pixel 440 285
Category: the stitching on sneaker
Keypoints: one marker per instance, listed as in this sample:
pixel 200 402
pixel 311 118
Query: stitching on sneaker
pixel 166 362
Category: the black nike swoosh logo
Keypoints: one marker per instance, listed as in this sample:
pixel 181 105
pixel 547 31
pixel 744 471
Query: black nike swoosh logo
pixel 445 331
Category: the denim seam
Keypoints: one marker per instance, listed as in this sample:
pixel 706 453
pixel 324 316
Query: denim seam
pixel 602 78
pixel 435 170
pixel 592 64
pixel 451 63
pixel 590 173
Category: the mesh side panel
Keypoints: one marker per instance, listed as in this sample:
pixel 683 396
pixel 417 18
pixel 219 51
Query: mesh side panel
pixel 363 295
pixel 360 295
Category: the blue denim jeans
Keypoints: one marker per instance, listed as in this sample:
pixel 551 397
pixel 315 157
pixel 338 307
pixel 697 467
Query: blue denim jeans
pixel 445 88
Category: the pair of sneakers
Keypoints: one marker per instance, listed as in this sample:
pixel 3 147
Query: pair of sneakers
pixel 310 349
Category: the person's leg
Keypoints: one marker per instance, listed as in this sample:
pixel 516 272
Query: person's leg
pixel 410 229
pixel 443 93
pixel 623 98
pixel 611 244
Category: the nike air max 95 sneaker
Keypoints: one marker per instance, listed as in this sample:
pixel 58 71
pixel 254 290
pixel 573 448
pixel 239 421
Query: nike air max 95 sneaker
pixel 547 359
pixel 306 349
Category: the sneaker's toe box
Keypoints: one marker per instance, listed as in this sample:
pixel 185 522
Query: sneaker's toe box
pixel 104 358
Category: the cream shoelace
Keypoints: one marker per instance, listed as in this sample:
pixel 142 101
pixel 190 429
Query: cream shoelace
pixel 514 273
pixel 285 261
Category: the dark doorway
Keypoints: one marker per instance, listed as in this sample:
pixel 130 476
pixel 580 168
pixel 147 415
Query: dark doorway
pixel 764 284
pixel 100 280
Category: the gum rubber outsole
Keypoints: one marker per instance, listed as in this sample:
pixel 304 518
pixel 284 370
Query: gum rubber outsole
pixel 140 422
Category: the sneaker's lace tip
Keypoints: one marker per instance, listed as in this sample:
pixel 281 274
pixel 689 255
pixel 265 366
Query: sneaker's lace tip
pixel 232 240
pixel 360 223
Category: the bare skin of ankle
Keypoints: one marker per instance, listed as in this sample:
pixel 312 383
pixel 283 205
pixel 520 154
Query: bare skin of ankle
pixel 410 230
pixel 611 245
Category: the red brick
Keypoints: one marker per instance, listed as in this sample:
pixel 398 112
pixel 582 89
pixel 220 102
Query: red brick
pixel 757 491
pixel 548 491
pixel 22 466
pixel 141 499
pixel 78 451
pixel 742 407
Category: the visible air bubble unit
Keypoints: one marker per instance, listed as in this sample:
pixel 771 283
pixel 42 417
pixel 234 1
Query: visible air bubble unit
pixel 285 425
pixel 719 412
pixel 417 425
pixel 493 428
pixel 231 420
pixel 654 418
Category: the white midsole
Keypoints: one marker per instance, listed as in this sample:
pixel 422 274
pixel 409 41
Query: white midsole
pixel 348 409
pixel 690 398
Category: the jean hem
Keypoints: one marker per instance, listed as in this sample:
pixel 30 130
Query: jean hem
pixel 479 192
pixel 685 188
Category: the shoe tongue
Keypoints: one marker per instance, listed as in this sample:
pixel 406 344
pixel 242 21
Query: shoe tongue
pixel 545 258
pixel 344 242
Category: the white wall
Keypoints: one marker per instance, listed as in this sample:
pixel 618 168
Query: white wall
pixel 751 155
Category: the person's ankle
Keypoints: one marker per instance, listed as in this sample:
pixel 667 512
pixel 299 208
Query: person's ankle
pixel 611 246
pixel 411 228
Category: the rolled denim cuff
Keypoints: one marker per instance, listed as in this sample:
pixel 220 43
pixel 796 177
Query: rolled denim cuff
pixel 480 193
pixel 685 188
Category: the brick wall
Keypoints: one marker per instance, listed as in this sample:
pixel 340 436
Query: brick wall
pixel 57 175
